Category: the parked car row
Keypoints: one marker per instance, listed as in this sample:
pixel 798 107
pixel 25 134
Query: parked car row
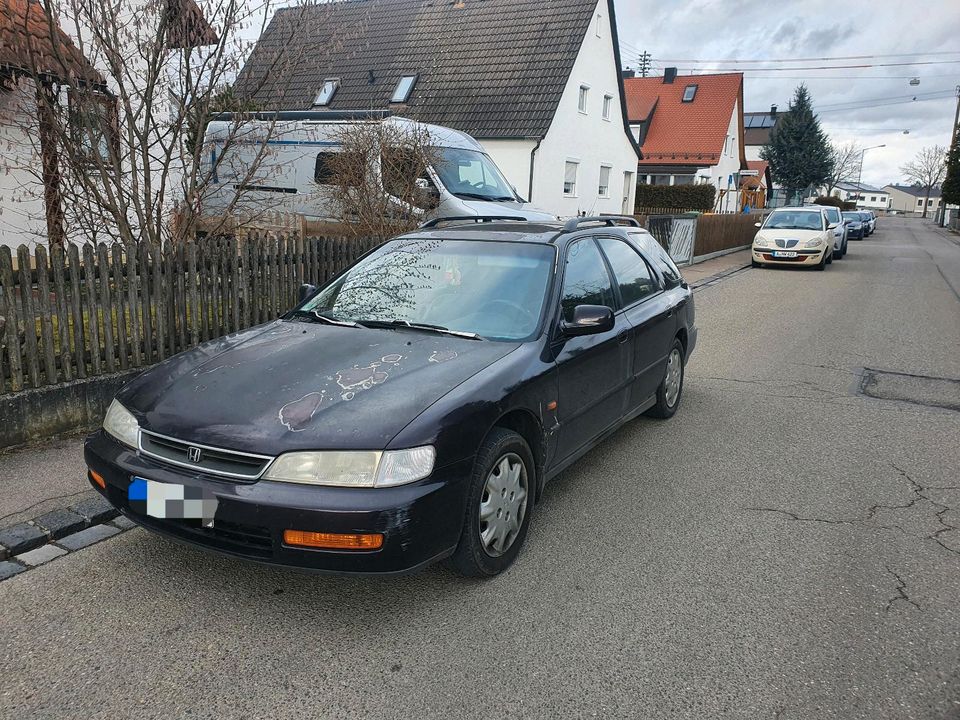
pixel 811 235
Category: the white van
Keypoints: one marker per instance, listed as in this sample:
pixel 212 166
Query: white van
pixel 277 162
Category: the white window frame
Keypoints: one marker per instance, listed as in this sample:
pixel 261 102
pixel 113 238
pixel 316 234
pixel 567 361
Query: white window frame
pixel 609 168
pixel 598 21
pixel 333 84
pixel 402 93
pixel 583 98
pixel 576 177
pixel 607 104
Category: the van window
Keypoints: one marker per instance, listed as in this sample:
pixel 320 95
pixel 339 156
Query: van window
pixel 323 170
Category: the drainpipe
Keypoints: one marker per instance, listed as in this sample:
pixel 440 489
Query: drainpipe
pixel 533 154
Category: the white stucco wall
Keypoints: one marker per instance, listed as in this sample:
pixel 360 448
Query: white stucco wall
pixel 729 164
pixel 587 138
pixel 513 159
pixel 753 152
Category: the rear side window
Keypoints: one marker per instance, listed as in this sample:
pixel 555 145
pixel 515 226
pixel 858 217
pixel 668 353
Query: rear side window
pixel 659 257
pixel 585 279
pixel 634 277
pixel 323 170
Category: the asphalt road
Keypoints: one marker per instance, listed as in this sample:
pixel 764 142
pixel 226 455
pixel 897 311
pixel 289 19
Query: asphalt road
pixel 785 547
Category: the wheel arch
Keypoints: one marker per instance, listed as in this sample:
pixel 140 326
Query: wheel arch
pixel 528 426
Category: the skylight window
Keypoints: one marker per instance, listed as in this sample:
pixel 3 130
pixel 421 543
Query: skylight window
pixel 689 92
pixel 404 88
pixel 326 93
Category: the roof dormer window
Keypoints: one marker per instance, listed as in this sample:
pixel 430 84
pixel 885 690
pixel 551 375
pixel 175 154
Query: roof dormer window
pixel 326 93
pixel 402 93
pixel 689 92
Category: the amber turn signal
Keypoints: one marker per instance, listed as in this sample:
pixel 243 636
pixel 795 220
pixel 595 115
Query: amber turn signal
pixel 98 479
pixel 333 541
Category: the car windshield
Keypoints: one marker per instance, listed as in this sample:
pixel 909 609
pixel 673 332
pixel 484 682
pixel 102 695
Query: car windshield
pixel 852 216
pixel 495 290
pixel 471 175
pixel 794 220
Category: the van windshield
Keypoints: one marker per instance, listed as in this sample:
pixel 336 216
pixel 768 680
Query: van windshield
pixel 471 175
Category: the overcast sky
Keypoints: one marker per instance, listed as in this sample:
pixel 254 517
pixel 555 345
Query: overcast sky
pixel 737 29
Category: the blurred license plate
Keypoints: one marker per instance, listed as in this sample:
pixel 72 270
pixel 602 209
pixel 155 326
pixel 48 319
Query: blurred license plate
pixel 171 501
pixel 784 253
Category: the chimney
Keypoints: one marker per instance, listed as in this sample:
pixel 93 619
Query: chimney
pixel 773 111
pixel 628 73
pixel 669 75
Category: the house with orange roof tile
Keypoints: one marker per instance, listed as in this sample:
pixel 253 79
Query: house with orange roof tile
pixel 690 130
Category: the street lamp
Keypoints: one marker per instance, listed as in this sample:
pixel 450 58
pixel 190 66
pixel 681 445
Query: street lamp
pixel 860 170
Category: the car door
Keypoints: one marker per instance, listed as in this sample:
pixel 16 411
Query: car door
pixel 650 311
pixel 593 370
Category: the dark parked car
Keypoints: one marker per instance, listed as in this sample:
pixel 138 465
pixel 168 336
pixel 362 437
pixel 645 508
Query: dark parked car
pixel 855 225
pixel 869 222
pixel 413 408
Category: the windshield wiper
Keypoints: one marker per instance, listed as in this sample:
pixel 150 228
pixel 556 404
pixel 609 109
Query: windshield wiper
pixel 420 326
pixel 478 196
pixel 315 315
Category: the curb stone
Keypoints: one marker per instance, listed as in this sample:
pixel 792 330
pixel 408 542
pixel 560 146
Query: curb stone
pixel 59 523
pixel 20 538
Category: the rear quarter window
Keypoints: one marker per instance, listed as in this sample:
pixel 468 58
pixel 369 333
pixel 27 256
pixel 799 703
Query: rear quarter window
pixel 659 257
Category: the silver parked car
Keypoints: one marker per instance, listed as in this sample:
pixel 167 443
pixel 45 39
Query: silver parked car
pixel 839 227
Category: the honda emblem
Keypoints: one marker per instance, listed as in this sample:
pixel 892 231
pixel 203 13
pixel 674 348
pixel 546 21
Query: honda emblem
pixel 194 454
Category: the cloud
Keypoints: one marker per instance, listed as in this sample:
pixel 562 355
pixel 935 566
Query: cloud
pixel 712 29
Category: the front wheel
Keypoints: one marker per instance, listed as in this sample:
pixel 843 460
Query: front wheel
pixel 499 504
pixel 671 387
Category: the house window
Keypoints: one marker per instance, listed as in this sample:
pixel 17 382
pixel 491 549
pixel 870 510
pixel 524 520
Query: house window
pixel 929 203
pixel 689 92
pixel 873 198
pixel 404 88
pixel 582 101
pixel 920 202
pixel 598 21
pixel 326 93
pixel 93 123
pixel 603 190
pixel 659 179
pixel 570 178
pixel 683 179
pixel 607 102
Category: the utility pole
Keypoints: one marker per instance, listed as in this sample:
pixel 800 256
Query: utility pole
pixel 942 210
pixel 644 64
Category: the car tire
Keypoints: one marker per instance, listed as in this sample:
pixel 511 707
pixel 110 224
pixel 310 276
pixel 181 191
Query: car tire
pixel 830 258
pixel 671 387
pixel 502 452
pixel 838 254
pixel 822 264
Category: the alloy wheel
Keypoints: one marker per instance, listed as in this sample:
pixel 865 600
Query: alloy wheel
pixel 503 504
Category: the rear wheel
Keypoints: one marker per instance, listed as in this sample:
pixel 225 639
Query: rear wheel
pixel 499 502
pixel 671 387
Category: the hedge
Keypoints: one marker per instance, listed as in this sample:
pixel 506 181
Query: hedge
pixel 679 197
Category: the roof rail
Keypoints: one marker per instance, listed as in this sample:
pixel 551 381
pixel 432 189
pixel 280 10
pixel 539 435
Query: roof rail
pixel 280 115
pixel 470 218
pixel 608 220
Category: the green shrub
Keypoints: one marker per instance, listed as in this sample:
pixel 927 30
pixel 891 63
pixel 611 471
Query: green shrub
pixel 829 200
pixel 675 197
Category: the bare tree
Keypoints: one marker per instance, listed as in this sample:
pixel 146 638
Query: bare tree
pixel 111 101
pixel 381 177
pixel 846 164
pixel 926 170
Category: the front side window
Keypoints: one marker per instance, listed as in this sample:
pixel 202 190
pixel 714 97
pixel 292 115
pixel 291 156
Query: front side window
pixel 494 289
pixel 661 258
pixel 471 175
pixel 833 214
pixel 570 178
pixel 323 169
pixel 632 273
pixel 585 279
pixel 603 190
pixel 582 99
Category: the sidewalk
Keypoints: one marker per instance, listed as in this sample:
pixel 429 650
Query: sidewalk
pixel 700 273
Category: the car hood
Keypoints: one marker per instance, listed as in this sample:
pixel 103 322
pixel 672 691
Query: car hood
pixel 801 236
pixel 522 210
pixel 293 385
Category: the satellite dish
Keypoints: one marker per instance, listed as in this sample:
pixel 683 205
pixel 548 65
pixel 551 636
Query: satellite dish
pixel 914 81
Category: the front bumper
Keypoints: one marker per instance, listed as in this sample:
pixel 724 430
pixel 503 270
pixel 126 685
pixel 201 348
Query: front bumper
pixel 804 257
pixel 421 522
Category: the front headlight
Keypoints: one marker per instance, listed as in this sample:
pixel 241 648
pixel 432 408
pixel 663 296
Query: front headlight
pixel 817 242
pixel 760 242
pixel 121 424
pixel 354 468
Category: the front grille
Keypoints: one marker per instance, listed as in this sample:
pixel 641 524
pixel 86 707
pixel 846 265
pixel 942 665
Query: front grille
pixel 216 461
pixel 251 540
pixel 786 244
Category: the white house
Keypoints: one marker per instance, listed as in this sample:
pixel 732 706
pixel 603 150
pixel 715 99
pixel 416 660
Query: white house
pixel 690 130
pixel 538 84
pixel 867 197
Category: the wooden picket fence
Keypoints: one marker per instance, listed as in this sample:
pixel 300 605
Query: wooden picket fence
pixel 78 313
pixel 723 232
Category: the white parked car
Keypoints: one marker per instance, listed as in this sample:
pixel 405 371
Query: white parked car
pixel 794 236
pixel 839 226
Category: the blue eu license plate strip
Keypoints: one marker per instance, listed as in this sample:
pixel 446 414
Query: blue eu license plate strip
pixel 171 501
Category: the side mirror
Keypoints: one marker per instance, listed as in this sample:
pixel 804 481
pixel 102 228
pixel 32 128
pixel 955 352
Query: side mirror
pixel 589 320
pixel 306 290
pixel 758 224
pixel 831 226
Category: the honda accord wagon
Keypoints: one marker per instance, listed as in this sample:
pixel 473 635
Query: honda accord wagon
pixel 410 410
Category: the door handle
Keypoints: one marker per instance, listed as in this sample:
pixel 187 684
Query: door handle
pixel 622 336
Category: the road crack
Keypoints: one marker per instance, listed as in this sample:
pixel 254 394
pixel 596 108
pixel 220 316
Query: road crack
pixel 901 593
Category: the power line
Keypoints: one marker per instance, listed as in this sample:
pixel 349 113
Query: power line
pixel 842 77
pixel 879 104
pixel 910 97
pixel 818 59
pixel 817 67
